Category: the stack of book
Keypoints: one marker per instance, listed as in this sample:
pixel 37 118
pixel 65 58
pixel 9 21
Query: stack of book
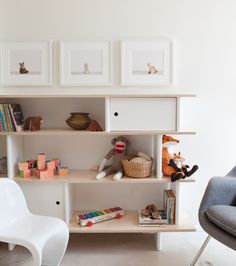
pixel 11 118
pixel 150 221
pixel 169 205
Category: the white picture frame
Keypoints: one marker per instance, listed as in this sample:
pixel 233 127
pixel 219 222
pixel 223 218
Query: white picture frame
pixel 86 63
pixel 26 63
pixel 147 63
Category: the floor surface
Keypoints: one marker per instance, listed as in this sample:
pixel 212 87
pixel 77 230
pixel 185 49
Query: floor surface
pixel 131 250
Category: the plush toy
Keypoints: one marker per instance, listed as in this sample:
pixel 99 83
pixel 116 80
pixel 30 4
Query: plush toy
pixel 152 69
pixel 172 164
pixel 3 165
pixel 22 69
pixel 118 153
pixel 33 123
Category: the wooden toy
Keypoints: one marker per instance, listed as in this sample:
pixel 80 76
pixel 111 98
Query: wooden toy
pixel 63 171
pixel 88 219
pixel 51 165
pixel 33 171
pixel 51 172
pixel 31 163
pixel 43 174
pixel 33 123
pixel 25 173
pixel 57 162
pixel 23 166
pixel 41 161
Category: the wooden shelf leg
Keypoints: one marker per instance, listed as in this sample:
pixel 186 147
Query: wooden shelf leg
pixel 158 241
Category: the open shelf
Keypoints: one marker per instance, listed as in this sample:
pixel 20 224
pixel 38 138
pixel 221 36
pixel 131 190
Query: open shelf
pixel 71 132
pixel 129 224
pixel 88 177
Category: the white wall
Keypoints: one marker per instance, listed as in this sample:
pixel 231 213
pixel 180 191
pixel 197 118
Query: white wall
pixel 205 61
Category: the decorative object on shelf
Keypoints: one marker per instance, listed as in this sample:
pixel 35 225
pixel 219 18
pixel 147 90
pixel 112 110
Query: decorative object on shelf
pixel 88 219
pixel 117 154
pixel 86 63
pixel 33 123
pixel 146 63
pixel 79 121
pixel 37 56
pixel 3 166
pixel 172 164
pixel 94 126
pixel 151 216
pixel 138 167
pixel 11 118
pixel 41 168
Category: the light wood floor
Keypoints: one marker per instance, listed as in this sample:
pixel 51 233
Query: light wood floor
pixel 131 250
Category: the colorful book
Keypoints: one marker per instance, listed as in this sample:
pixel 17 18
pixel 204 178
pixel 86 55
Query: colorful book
pixel 2 119
pixel 17 116
pixel 169 205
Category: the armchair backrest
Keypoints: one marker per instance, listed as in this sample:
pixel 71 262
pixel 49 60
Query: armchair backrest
pixel 12 202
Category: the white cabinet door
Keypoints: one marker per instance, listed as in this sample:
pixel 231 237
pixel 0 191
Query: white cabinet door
pixel 44 198
pixel 127 114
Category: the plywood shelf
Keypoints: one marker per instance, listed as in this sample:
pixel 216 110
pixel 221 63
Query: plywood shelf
pixel 88 177
pixel 129 224
pixel 71 132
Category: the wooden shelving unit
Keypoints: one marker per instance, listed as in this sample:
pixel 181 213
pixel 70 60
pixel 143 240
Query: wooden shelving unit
pixel 129 224
pixel 57 196
pixel 88 177
pixel 71 132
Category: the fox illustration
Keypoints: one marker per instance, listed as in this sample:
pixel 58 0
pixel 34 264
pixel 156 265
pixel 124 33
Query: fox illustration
pixel 172 164
pixel 152 69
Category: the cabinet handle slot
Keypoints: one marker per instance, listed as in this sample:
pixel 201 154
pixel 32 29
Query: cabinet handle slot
pixel 58 202
pixel 116 114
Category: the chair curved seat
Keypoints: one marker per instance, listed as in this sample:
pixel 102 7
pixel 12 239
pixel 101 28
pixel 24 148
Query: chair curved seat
pixel 45 237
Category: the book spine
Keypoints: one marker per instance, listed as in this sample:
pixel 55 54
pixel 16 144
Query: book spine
pixel 5 118
pixel 9 118
pixel 18 116
pixel 2 118
pixel 12 117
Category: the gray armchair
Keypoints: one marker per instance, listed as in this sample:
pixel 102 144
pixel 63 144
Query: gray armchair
pixel 217 212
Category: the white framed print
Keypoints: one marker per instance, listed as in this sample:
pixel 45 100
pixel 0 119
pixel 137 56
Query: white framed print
pixel 26 63
pixel 86 63
pixel 147 63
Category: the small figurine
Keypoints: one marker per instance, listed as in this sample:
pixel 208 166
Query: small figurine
pixel 33 123
pixel 118 153
pixel 86 68
pixel 152 69
pixel 172 164
pixel 94 126
pixel 3 165
pixel 22 69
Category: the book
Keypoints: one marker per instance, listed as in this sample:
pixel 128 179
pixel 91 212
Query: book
pixel 149 221
pixel 17 116
pixel 169 205
pixel 2 119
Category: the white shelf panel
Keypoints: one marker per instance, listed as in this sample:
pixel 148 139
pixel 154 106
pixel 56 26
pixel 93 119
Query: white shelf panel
pixel 88 177
pixel 71 132
pixel 129 224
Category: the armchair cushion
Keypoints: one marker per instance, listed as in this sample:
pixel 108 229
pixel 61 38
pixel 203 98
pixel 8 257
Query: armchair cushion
pixel 224 217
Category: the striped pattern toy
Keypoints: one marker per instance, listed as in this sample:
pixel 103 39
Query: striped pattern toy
pixel 88 219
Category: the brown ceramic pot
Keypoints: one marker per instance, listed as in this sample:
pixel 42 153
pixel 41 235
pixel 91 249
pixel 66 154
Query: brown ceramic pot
pixel 79 121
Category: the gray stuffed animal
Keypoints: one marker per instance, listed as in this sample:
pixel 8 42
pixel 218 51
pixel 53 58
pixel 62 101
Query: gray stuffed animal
pixel 3 165
pixel 118 153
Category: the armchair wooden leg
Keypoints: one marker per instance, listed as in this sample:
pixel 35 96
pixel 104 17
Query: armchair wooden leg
pixel 200 250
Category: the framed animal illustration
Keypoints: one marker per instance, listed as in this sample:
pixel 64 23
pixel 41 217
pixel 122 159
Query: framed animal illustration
pixel 86 63
pixel 26 63
pixel 147 63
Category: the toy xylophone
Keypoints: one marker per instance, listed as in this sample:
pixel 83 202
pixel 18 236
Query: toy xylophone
pixel 90 218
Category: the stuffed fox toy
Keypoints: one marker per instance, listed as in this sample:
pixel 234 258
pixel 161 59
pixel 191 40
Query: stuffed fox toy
pixel 172 164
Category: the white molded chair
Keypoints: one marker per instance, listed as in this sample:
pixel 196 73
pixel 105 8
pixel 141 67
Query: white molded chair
pixel 45 237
